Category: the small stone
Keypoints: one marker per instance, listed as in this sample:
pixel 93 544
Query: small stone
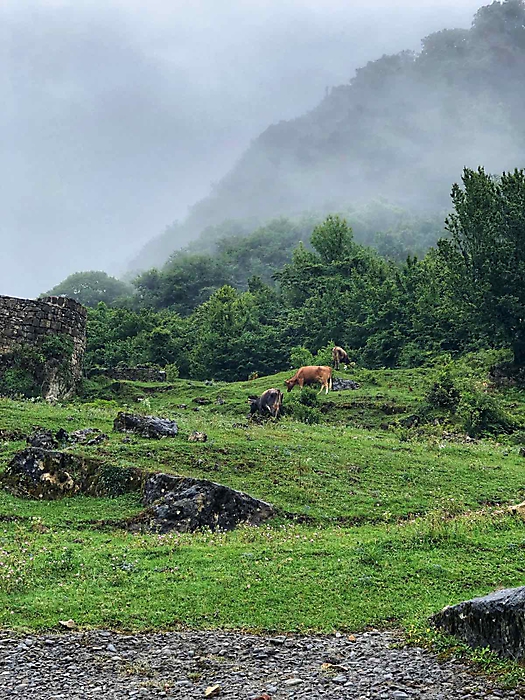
pixel 212 690
pixel 400 695
pixel 196 436
pixel 112 648
pixel 340 679
pixel 68 624
pixel 293 681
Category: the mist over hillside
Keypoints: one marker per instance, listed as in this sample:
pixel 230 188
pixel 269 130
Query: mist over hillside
pixel 119 114
pixel 403 129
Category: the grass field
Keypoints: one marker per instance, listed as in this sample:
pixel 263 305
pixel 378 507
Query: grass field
pixel 378 524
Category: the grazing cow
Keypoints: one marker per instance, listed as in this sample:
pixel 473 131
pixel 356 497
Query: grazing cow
pixel 311 375
pixel 269 402
pixel 339 355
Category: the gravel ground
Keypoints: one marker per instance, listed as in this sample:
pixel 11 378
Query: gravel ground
pixel 104 665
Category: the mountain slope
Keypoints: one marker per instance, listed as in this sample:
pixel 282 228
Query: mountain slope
pixel 403 129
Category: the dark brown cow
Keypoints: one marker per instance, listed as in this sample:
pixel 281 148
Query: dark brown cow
pixel 311 375
pixel 269 402
pixel 339 355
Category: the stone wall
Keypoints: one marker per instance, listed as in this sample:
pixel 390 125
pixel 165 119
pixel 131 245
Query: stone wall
pixel 29 321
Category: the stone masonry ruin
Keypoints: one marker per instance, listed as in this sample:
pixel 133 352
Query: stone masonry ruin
pixel 29 322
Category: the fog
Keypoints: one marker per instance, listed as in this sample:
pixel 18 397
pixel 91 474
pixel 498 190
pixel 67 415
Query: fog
pixel 118 115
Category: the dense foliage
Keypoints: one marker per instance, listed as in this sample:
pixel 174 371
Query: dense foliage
pixel 90 288
pixel 205 315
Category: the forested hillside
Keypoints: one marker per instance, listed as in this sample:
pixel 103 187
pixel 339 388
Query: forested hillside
pixel 403 128
pixel 265 301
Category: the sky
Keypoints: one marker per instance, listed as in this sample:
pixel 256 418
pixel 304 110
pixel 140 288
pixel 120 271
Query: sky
pixel 117 115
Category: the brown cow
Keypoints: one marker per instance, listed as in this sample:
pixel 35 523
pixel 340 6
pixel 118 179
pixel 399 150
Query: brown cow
pixel 339 355
pixel 311 375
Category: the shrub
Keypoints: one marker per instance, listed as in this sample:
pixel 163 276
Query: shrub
pixel 443 392
pixel 304 406
pixel 57 347
pixel 324 355
pixel 301 357
pixel 482 414
pixel 172 372
pixel 412 355
pixel 305 414
pixel 308 397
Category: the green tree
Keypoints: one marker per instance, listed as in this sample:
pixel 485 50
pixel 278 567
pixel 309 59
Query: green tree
pixel 332 239
pixel 90 288
pixel 485 255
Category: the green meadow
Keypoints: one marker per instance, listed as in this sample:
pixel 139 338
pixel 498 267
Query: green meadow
pixel 378 524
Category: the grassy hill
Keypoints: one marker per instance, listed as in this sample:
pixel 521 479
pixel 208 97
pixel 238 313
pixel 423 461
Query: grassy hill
pixel 379 523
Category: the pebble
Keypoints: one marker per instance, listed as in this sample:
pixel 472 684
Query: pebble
pixel 287 667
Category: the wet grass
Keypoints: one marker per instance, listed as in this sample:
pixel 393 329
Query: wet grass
pixel 377 525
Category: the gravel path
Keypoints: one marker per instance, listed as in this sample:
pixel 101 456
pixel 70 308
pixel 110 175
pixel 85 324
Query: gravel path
pixel 184 665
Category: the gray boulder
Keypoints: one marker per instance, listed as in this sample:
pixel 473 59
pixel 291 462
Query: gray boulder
pixel 43 438
pixel 496 620
pixel 146 426
pixel 344 384
pixel 186 504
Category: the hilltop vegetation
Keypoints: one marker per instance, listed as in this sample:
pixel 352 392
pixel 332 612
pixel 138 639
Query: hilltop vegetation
pixel 212 316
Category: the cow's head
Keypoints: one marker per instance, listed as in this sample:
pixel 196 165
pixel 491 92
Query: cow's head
pixel 254 403
pixel 290 383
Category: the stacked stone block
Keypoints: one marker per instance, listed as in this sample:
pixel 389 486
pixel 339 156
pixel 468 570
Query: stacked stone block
pixel 29 321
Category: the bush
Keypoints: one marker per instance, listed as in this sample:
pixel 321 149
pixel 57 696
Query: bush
pixel 172 372
pixel 301 357
pixel 412 355
pixel 324 355
pixel 443 392
pixel 305 414
pixel 482 414
pixel 304 406
pixel 308 397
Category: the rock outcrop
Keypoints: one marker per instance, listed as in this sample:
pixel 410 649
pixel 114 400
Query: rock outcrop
pixel 186 504
pixel 344 384
pixel 49 440
pixel 496 620
pixel 50 475
pixel 146 426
